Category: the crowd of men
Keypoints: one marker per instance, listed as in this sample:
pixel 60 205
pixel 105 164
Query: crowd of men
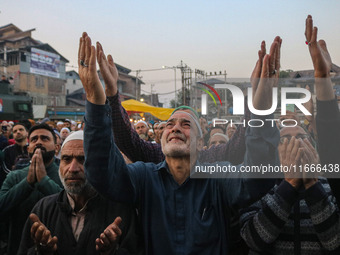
pixel 108 186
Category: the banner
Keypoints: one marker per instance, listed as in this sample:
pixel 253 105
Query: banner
pixel 45 63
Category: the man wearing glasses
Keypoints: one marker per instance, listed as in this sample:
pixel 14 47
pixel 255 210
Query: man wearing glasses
pixel 299 215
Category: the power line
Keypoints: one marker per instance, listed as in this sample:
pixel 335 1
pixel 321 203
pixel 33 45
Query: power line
pixel 149 70
pixel 161 81
pixel 166 93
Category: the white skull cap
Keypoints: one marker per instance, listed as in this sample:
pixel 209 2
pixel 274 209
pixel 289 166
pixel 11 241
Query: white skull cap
pixel 78 135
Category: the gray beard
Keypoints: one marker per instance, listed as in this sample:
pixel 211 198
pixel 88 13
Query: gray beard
pixel 83 189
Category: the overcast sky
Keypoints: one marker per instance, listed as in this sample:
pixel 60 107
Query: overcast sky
pixel 207 35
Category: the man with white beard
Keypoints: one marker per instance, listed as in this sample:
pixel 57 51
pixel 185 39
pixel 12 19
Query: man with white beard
pixel 78 220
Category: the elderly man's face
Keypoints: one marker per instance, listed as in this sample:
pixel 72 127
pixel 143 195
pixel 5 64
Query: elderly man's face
pixel 176 140
pixel 64 134
pixel 60 126
pixel 141 128
pixel 71 169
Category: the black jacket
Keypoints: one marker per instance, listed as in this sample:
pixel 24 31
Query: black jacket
pixel 54 212
pixel 13 153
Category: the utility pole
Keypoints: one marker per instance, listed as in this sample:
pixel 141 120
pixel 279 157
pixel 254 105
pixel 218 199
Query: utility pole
pixel 226 94
pixel 151 96
pixel 5 60
pixel 186 80
pixel 175 89
pixel 199 76
pixel 137 74
pixel 183 86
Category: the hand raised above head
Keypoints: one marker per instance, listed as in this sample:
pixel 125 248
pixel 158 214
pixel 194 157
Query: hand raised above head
pixel 255 76
pixel 321 61
pixel 318 50
pixel 265 75
pixel 88 71
pixel 108 70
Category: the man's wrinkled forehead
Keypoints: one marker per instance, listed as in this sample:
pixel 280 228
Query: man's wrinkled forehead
pixel 73 147
pixel 186 116
pixel 179 118
pixel 180 115
pixel 140 125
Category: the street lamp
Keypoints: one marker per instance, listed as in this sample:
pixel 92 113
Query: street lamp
pixel 173 67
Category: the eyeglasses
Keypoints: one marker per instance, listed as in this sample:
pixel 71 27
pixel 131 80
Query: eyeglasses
pixel 288 137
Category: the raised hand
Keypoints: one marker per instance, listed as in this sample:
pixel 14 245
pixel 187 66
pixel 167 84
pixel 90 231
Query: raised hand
pixel 108 70
pixel 265 76
pixel 88 72
pixel 318 50
pixel 321 61
pixel 42 236
pixel 255 76
pixel 107 240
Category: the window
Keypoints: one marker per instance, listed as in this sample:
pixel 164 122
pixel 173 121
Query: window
pixel 22 107
pixel 39 81
pixel 13 59
pixel 23 57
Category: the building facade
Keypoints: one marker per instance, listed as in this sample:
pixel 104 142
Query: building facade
pixel 34 68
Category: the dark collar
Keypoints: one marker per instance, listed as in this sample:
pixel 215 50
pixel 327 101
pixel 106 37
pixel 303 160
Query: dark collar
pixel 65 206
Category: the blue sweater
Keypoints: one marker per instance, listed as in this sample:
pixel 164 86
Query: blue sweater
pixel 191 218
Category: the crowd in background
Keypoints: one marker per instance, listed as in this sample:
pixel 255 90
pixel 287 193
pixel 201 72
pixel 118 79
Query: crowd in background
pixel 109 186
